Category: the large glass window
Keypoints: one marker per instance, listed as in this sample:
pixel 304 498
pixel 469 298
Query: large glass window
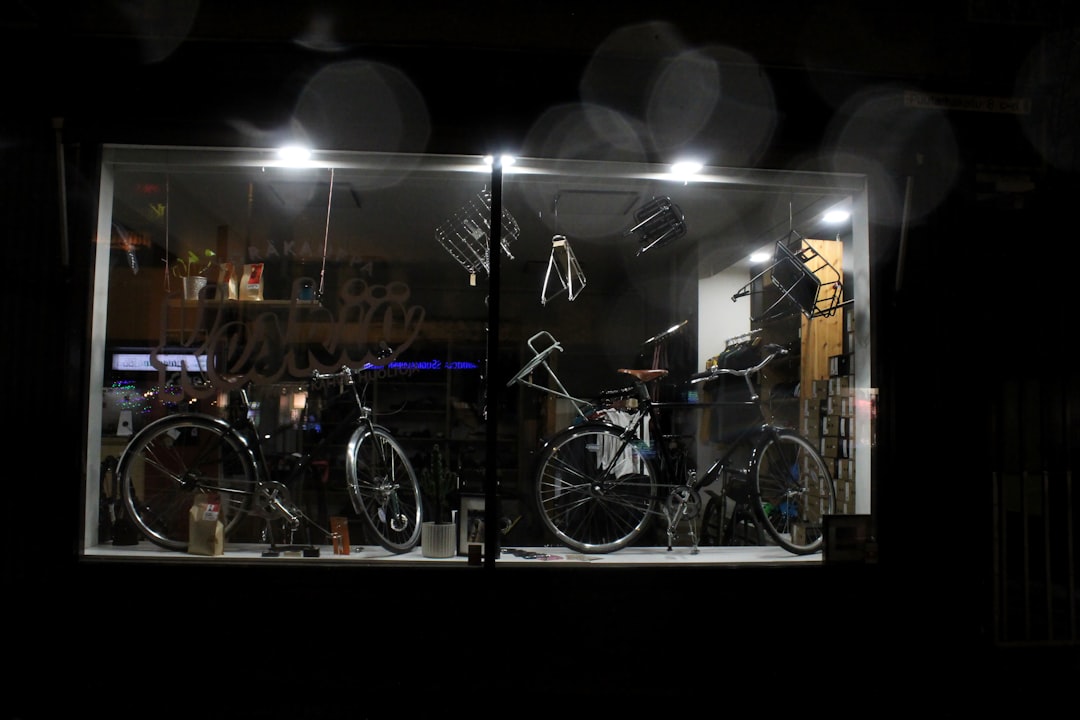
pixel 225 278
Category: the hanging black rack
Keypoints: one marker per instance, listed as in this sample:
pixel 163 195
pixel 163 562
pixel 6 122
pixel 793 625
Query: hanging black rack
pixel 659 221
pixel 805 279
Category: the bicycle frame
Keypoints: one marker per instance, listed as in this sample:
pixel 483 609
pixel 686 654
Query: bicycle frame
pixel 682 485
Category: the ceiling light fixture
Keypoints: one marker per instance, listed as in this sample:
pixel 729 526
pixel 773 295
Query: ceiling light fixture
pixel 505 161
pixel 686 167
pixel 294 154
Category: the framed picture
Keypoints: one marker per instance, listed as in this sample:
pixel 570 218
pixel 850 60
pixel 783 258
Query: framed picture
pixel 470 523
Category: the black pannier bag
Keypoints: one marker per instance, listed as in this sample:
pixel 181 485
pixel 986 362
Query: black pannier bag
pixel 737 411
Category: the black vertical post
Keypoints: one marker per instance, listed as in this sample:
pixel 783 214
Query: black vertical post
pixel 491 484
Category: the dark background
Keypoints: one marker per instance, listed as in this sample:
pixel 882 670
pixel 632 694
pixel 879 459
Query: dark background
pixel 972 302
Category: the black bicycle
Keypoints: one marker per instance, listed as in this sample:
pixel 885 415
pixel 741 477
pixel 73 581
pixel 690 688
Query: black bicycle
pixel 172 460
pixel 600 483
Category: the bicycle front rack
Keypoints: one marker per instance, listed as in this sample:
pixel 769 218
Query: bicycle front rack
pixel 567 271
pixel 539 360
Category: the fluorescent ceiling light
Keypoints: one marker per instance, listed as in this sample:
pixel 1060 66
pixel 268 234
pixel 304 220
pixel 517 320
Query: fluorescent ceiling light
pixel 504 160
pixel 294 154
pixel 686 167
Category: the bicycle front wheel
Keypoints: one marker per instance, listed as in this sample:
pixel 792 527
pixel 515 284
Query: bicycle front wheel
pixel 791 491
pixel 169 462
pixel 384 488
pixel 595 492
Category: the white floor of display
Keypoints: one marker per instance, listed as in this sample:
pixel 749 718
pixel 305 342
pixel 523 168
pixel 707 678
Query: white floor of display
pixel 535 556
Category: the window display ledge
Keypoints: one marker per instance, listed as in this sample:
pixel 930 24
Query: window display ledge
pixel 533 556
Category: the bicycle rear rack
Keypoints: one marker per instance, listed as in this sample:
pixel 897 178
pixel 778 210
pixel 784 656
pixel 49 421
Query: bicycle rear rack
pixel 659 221
pixel 802 276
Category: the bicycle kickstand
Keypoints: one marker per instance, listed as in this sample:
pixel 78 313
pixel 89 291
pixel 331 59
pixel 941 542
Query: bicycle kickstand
pixel 672 522
pixel 275 550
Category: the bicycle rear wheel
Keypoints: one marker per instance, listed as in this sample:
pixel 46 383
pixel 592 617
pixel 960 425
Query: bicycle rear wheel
pixel 169 462
pixel 595 493
pixel 384 488
pixel 791 491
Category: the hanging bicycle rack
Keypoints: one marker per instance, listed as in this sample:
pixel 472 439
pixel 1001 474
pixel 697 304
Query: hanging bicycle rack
pixel 567 270
pixel 806 281
pixel 539 360
pixel 659 221
pixel 465 235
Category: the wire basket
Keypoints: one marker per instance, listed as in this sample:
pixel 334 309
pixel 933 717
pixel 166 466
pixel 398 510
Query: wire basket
pixel 807 282
pixel 807 279
pixel 466 235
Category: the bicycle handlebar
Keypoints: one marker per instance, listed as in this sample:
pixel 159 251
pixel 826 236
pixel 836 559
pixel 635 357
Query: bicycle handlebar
pixel 344 372
pixel 772 352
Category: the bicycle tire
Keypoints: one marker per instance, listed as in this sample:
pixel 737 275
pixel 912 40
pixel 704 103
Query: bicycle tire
pixel 583 503
pixel 791 491
pixel 713 527
pixel 170 461
pixel 384 488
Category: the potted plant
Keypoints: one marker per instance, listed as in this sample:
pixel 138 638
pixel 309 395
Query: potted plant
pixel 192 271
pixel 438 533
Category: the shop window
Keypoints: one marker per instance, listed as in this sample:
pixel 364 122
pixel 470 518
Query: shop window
pixel 384 264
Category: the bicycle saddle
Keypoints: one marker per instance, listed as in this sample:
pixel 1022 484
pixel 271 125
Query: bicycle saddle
pixel 644 375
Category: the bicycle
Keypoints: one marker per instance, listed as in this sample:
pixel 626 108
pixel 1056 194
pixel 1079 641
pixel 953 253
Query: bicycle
pixel 599 484
pixel 173 459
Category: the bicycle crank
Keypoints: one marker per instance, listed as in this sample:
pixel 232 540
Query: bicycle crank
pixel 273 501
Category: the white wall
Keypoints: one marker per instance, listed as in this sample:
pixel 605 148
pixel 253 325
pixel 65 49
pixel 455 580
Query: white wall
pixel 720 318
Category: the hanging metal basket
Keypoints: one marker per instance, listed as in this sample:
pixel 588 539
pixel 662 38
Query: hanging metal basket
pixel 466 235
pixel 806 282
